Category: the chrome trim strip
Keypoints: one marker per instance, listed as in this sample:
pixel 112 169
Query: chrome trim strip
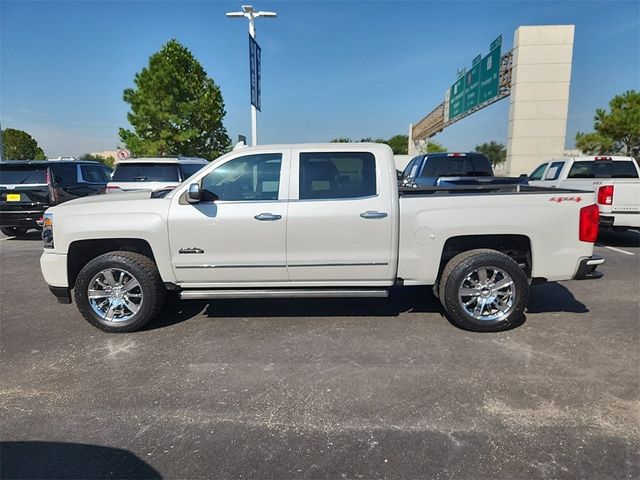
pixel 229 266
pixel 368 264
pixel 282 293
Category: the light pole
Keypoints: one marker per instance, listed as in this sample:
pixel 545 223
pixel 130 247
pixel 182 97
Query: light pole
pixel 251 14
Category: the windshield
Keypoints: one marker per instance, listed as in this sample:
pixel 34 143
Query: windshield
pixel 23 173
pixel 463 166
pixel 146 172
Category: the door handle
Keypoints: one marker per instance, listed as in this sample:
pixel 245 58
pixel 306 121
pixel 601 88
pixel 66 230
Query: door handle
pixel 372 214
pixel 267 217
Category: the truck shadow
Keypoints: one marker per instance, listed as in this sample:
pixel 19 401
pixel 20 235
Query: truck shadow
pixel 58 460
pixel 400 300
pixel 553 297
pixel 546 298
pixel 630 238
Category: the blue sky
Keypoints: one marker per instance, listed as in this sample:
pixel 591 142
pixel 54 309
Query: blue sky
pixel 329 69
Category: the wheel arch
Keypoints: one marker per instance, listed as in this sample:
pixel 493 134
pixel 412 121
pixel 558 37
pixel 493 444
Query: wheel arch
pixel 515 246
pixel 82 252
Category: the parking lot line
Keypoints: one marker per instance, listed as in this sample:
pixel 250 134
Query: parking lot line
pixel 617 250
pixel 6 238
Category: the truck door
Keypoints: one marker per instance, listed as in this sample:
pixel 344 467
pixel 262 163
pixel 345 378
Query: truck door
pixel 241 236
pixel 340 224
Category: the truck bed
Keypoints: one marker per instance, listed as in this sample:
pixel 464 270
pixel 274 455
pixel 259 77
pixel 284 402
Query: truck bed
pixel 482 189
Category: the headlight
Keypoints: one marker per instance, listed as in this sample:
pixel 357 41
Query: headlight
pixel 47 230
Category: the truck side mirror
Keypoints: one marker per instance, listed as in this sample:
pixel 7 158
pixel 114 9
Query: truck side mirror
pixel 194 194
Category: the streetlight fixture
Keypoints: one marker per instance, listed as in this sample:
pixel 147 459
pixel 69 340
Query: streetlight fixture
pixel 251 14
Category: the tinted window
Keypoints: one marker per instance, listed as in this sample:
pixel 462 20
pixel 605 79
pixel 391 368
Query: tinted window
pixel 64 173
pixel 23 173
pixel 337 175
pixel 554 171
pixel 581 170
pixel 537 173
pixel 189 169
pixel 626 169
pixel 590 169
pixel 146 172
pixel 463 166
pixel 408 169
pixel 254 177
pixel 93 174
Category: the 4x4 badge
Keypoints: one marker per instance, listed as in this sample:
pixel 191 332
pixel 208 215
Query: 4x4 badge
pixel 191 250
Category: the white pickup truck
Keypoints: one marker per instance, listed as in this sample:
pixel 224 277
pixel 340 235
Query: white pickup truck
pixel 616 181
pixel 322 220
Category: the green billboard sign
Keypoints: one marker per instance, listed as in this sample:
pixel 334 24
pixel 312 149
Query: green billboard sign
pixel 478 84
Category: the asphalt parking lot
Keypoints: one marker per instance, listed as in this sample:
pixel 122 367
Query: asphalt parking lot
pixel 375 388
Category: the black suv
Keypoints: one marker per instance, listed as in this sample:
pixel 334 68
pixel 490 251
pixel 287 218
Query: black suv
pixel 28 188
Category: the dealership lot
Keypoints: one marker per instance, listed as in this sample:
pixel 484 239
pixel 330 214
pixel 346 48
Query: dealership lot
pixel 372 388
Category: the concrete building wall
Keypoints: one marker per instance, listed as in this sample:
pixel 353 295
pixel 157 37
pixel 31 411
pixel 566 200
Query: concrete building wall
pixel 539 100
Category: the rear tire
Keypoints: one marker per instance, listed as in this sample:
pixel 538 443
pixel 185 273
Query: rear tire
pixel 119 291
pixel 484 291
pixel 13 231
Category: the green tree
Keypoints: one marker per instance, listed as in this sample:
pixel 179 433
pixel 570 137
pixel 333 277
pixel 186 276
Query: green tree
pixel 594 143
pixel 399 144
pixel 176 109
pixel 434 147
pixel 495 152
pixel 341 140
pixel 19 145
pixel 108 161
pixel 616 130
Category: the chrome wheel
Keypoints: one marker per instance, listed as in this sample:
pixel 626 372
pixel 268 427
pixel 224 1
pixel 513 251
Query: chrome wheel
pixel 487 293
pixel 115 295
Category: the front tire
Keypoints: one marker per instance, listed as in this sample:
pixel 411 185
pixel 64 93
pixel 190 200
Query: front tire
pixel 13 231
pixel 119 291
pixel 484 291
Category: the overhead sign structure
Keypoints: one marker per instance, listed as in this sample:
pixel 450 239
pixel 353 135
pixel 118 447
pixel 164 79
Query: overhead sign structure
pixel 478 84
pixel 255 55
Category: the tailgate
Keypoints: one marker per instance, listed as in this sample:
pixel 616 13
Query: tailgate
pixel 626 197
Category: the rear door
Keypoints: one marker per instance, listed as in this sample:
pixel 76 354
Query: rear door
pixel 340 220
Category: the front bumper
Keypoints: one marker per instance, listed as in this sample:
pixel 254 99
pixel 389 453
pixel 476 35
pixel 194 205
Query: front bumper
pixel 587 268
pixel 54 268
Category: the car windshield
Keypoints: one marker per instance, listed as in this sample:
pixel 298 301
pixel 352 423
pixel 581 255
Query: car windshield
pixel 462 166
pixel 23 173
pixel 146 172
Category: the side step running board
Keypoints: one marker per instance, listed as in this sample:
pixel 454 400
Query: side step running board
pixel 283 293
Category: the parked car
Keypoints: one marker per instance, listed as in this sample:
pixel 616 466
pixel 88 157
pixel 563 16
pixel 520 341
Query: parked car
pixel 28 188
pixel 615 179
pixel 321 220
pixel 153 173
pixel 442 169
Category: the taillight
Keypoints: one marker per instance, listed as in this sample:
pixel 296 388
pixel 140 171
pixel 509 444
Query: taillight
pixel 112 189
pixel 605 195
pixel 589 223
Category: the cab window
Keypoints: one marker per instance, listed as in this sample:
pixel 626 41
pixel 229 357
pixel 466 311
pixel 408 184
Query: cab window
pixel 537 173
pixel 337 175
pixel 249 178
pixel 554 171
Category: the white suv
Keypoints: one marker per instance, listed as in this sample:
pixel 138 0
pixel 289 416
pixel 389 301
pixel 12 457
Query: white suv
pixel 153 173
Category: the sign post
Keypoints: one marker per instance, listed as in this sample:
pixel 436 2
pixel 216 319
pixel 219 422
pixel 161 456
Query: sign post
pixel 255 57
